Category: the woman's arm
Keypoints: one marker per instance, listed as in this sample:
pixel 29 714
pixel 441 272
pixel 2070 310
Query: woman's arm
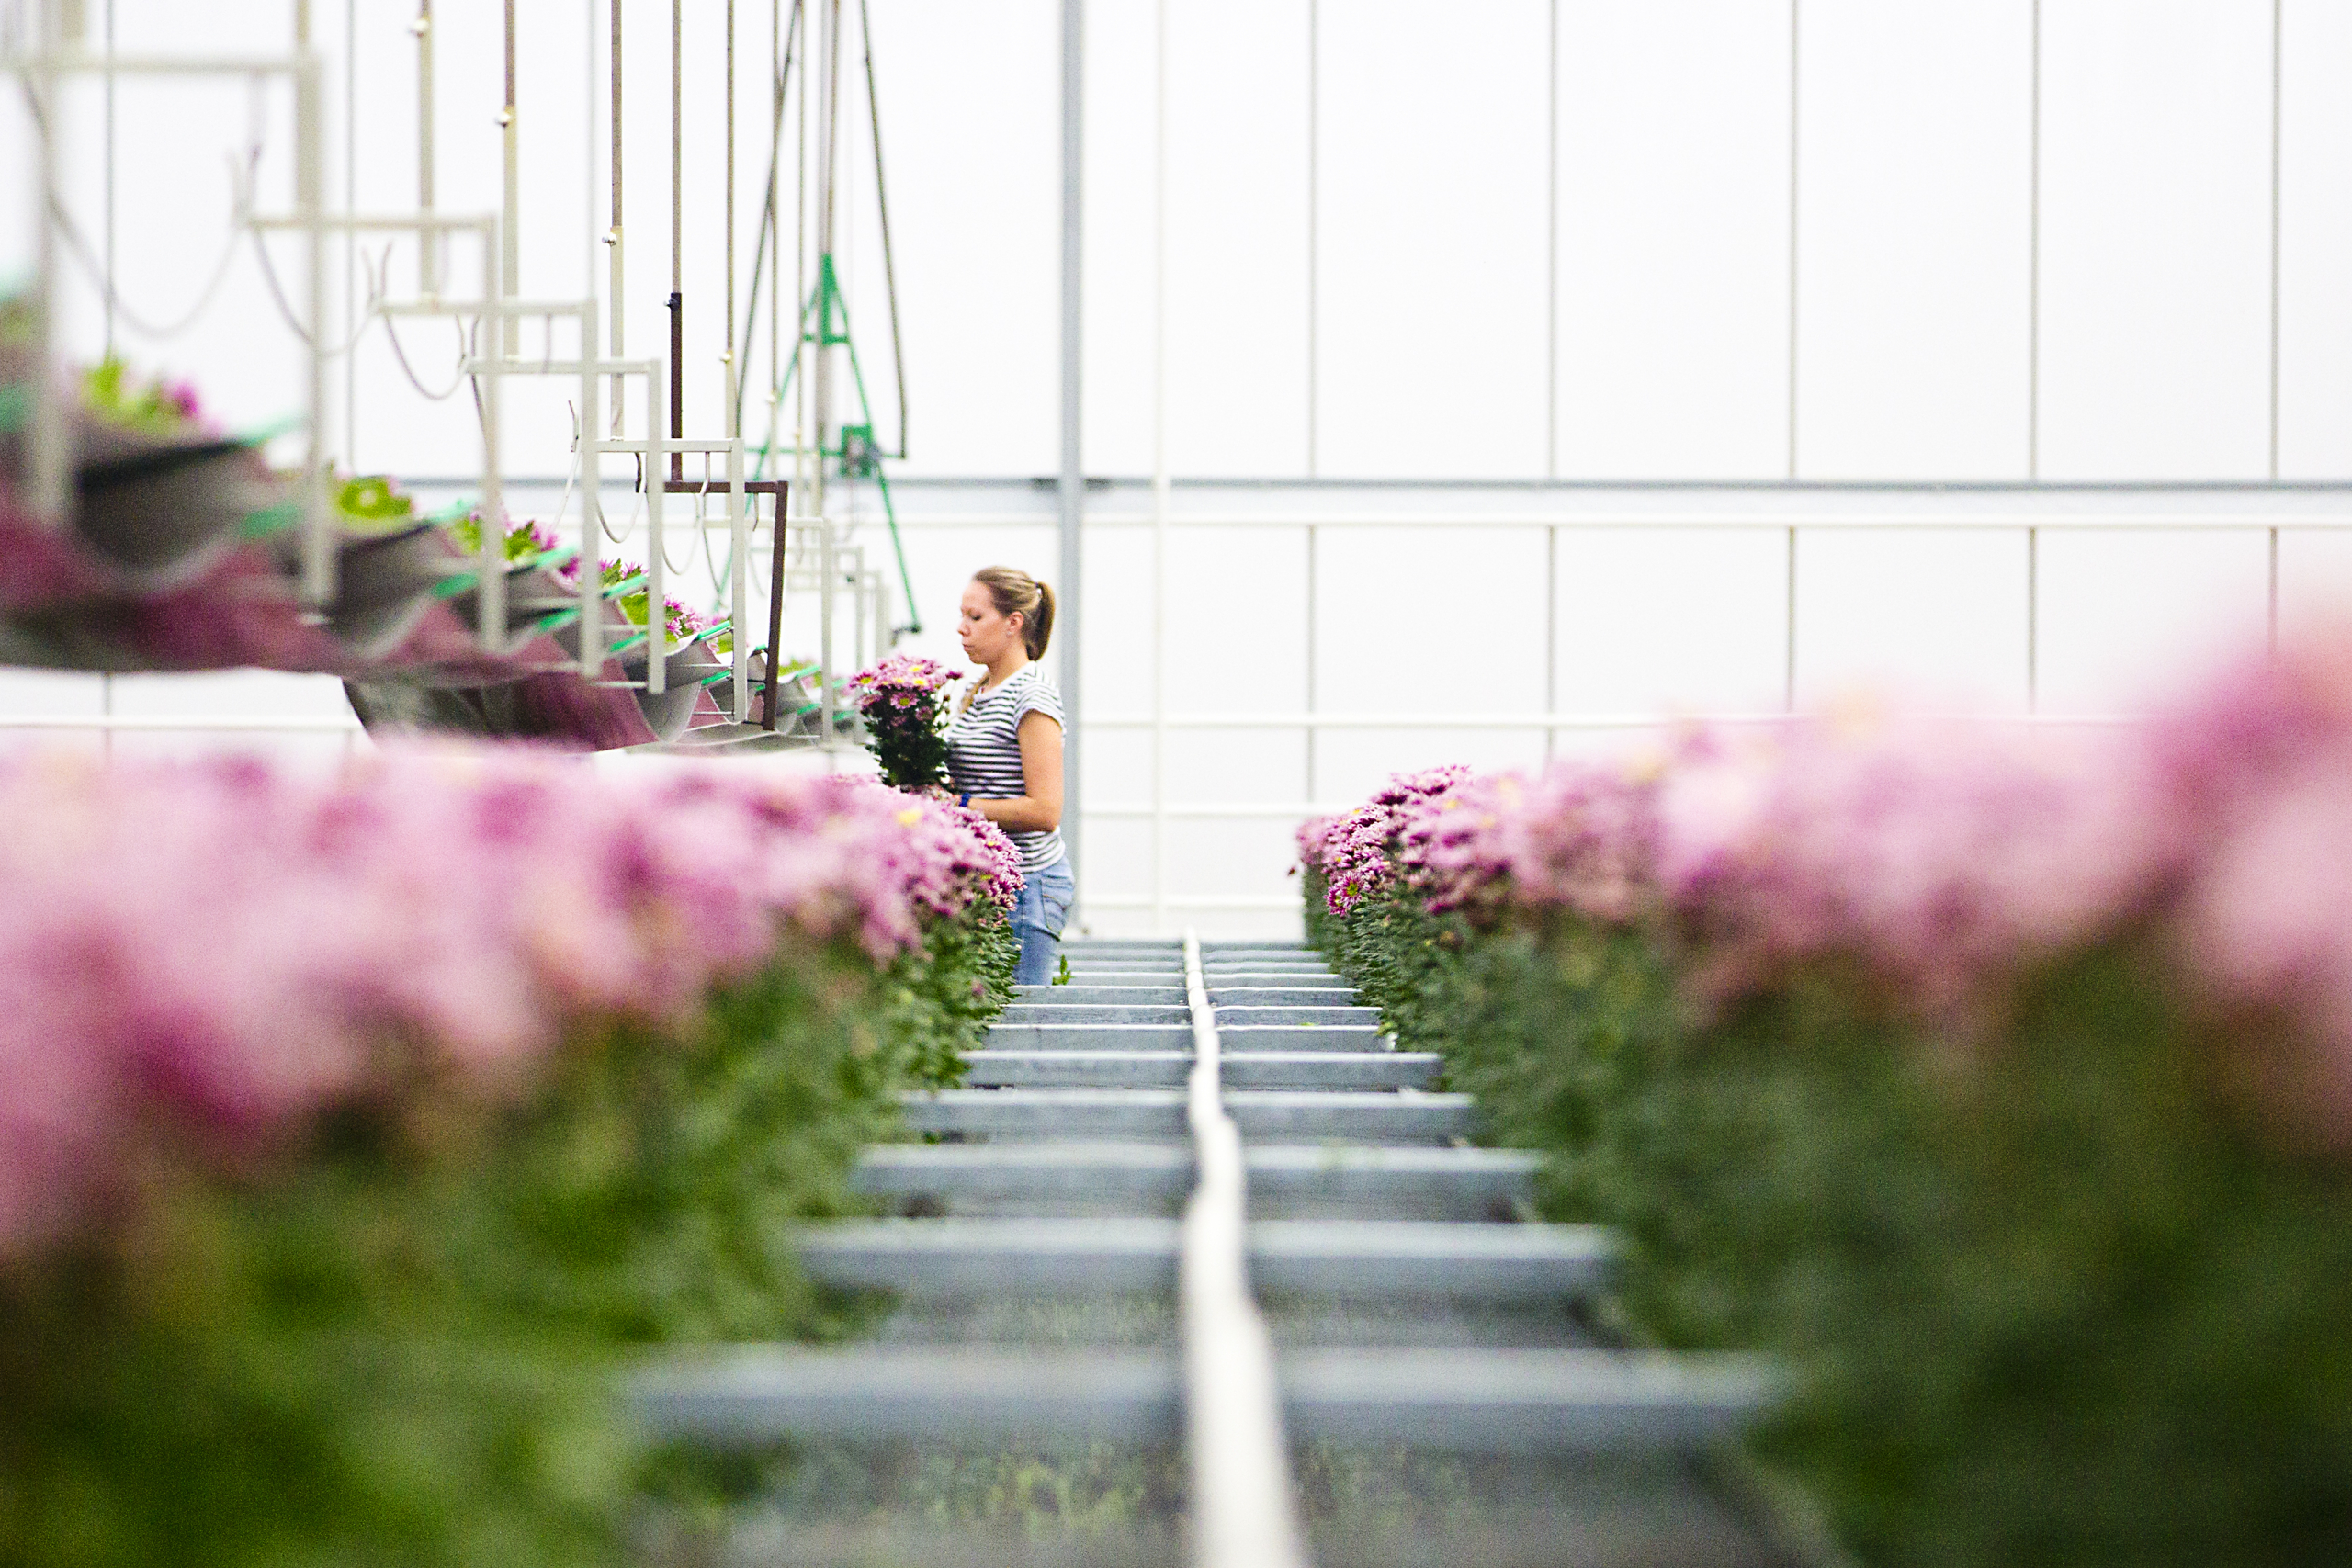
pixel 1041 775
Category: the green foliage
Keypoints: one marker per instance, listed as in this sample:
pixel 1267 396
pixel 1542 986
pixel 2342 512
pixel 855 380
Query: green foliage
pixel 2051 1297
pixel 909 744
pixel 523 540
pixel 151 408
pixel 1061 971
pixel 400 1346
pixel 372 498
pixel 938 1002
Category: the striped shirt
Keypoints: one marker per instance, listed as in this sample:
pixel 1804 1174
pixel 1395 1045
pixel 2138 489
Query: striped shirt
pixel 984 753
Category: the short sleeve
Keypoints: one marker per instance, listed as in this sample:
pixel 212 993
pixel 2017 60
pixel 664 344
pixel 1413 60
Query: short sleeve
pixel 1038 697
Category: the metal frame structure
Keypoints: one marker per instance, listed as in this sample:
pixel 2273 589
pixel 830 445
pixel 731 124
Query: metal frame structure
pixel 61 48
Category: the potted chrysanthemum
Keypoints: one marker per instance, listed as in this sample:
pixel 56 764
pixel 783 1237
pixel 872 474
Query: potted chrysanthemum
pixel 903 700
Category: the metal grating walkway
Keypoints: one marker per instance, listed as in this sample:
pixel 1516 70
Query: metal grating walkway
pixel 1058 1256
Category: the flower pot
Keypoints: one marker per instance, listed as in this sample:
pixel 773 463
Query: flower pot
pixel 669 712
pixel 161 514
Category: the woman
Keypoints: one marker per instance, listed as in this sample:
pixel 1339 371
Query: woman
pixel 1004 752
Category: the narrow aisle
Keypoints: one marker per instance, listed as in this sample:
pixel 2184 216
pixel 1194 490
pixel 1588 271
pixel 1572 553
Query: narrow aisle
pixel 1437 1394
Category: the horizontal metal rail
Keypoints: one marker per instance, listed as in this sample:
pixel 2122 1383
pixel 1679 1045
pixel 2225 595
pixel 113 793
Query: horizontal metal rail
pixel 1491 1401
pixel 194 722
pixel 1333 1259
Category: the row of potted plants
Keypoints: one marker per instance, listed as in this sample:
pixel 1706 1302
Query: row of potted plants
pixel 181 553
pixel 2002 1084
pixel 357 1128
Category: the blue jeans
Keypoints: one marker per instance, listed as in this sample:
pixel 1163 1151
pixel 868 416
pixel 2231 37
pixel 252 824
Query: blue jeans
pixel 1045 898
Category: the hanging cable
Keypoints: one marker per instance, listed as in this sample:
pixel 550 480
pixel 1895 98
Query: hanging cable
pixel 571 473
pixel 882 201
pixel 663 545
pixel 636 509
pixel 770 228
pixel 465 350
pixel 80 248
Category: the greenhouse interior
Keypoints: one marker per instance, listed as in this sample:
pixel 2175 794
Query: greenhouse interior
pixel 1554 783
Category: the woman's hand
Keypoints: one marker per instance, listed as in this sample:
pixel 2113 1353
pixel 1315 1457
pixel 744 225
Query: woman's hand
pixel 1040 809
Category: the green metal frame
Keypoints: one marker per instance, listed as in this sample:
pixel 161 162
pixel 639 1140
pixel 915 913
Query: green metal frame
pixel 857 454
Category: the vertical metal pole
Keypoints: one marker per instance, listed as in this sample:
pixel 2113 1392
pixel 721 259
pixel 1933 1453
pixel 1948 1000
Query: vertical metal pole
pixel 779 504
pixel 812 72
pixel 1552 261
pixel 677 466
pixel 51 462
pixel 735 419
pixel 1160 486
pixel 1073 477
pixel 739 555
pixel 1314 220
pixel 105 681
pixel 109 239
pixel 821 390
pixel 1789 675
pixel 310 200
pixel 775 218
pixel 615 284
pixel 2032 619
pixel 855 578
pixel 510 231
pixel 2278 28
pixel 491 579
pixel 351 236
pixel 1313 632
pixel 2272 620
pixel 592 450
pixel 1795 31
pixel 825 570
pixel 1551 635
pixel 429 242
pixel 657 633
pixel 2033 271
pixel 591 526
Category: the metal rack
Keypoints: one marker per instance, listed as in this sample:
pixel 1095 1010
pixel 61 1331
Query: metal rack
pixel 1218 1133
pixel 493 320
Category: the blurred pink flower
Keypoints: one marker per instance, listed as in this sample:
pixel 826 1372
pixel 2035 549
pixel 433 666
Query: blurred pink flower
pixel 225 948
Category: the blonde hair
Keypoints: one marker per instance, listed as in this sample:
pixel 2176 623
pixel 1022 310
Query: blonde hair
pixel 1015 593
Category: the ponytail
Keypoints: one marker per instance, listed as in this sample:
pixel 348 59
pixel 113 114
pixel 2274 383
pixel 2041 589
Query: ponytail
pixel 1015 593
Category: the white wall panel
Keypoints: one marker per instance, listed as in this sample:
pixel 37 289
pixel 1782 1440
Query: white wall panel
pixel 1236 767
pixel 1682 619
pixel 1938 614
pixel 1673 239
pixel 1118 619
pixel 2125 611
pixel 1429 620
pixel 1431 206
pixel 1915 152
pixel 2156 239
pixel 975 167
pixel 1236 237
pixel 1122 59
pixel 1237 623
pixel 2315 582
pixel 2315 243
